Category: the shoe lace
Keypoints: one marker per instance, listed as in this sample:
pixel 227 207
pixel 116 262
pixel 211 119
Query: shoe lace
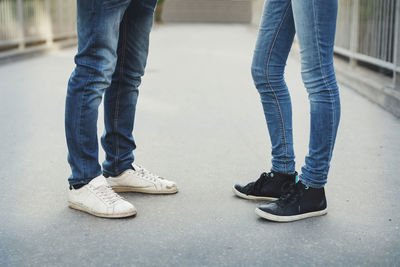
pixel 106 193
pixel 146 174
pixel 264 179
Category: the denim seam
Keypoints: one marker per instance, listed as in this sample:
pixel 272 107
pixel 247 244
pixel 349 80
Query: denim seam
pixel 116 111
pixel 325 82
pixel 269 83
pixel 81 115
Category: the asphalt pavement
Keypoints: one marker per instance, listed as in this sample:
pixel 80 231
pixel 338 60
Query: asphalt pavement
pixel 199 122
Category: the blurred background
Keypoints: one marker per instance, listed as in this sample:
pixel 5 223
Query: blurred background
pixel 367 37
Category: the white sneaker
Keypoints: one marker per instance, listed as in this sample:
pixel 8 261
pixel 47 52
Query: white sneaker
pixel 97 198
pixel 141 180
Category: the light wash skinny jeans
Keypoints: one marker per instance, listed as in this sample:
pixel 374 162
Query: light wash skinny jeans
pixel 315 24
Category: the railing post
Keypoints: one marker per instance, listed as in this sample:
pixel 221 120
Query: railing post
pixel 396 54
pixel 256 12
pixel 61 26
pixel 354 31
pixel 49 34
pixel 21 32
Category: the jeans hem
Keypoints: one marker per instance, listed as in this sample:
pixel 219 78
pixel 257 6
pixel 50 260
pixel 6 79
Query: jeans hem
pixel 118 171
pixel 75 181
pixel 285 171
pixel 309 183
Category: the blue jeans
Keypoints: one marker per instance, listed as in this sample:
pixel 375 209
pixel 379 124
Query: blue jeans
pixel 113 41
pixel 315 24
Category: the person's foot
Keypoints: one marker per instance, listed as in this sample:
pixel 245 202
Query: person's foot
pixel 141 180
pixel 298 203
pixel 270 186
pixel 97 198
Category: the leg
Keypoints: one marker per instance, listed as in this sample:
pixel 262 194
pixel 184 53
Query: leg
pixel 315 23
pixel 121 97
pixel 98 24
pixel 274 41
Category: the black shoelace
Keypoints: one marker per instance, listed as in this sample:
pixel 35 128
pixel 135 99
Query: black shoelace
pixel 257 185
pixel 294 193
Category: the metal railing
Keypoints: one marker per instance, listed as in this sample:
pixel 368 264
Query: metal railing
pixel 369 31
pixel 28 22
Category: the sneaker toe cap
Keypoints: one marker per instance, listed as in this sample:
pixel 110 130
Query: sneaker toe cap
pixel 124 207
pixel 170 185
pixel 238 187
pixel 272 208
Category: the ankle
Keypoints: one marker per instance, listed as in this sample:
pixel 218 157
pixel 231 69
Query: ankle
pixel 76 186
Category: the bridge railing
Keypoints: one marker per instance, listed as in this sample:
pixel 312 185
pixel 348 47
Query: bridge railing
pixel 26 23
pixel 369 31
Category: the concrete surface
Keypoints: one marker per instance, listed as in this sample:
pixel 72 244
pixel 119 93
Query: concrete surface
pixel 199 122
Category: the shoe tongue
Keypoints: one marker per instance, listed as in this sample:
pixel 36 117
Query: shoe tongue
pixel 98 181
pixel 301 186
pixel 136 167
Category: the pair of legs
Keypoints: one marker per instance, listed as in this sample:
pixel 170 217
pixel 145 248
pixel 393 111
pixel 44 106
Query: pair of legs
pixel 315 23
pixel 113 41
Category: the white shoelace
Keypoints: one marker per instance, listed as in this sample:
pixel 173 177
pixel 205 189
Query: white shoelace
pixel 147 174
pixel 106 193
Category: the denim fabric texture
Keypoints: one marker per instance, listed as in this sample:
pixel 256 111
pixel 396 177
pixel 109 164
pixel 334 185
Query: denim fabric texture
pixel 113 42
pixel 314 21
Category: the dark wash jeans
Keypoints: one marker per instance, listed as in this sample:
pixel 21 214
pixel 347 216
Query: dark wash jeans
pixel 315 24
pixel 113 41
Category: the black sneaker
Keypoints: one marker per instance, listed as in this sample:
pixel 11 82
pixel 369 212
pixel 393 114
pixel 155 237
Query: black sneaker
pixel 298 203
pixel 270 186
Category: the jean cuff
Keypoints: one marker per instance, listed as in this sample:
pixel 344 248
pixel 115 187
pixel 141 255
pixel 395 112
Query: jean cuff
pixel 311 183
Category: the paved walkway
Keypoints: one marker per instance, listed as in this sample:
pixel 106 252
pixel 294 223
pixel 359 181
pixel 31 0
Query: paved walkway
pixel 199 122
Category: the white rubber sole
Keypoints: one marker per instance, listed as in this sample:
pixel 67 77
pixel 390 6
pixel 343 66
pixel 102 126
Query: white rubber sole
pixel 103 215
pixel 120 189
pixel 277 218
pixel 239 194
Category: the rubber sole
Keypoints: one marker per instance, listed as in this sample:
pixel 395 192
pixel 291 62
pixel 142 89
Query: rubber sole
pixel 250 197
pixel 102 215
pixel 277 218
pixel 121 189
